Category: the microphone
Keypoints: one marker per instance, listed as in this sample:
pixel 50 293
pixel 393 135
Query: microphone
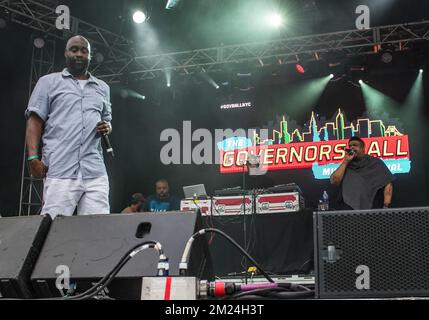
pixel 253 160
pixel 350 151
pixel 109 148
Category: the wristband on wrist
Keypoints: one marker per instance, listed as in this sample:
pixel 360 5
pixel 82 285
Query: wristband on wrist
pixel 36 156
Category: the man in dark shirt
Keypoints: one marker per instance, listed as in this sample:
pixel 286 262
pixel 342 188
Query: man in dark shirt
pixel 365 182
pixel 162 201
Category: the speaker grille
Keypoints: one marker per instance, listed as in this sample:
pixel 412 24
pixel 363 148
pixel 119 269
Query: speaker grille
pixel 393 244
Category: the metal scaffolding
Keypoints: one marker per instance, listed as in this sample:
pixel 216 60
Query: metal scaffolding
pixel 122 60
pixel 41 16
pixel 283 51
pixel 42 62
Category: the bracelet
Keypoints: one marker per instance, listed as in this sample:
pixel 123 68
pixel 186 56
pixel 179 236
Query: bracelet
pixel 36 156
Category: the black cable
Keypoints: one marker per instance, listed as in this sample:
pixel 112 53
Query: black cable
pixel 209 219
pixel 107 279
pixel 88 294
pixel 244 260
pixel 239 247
pixel 252 238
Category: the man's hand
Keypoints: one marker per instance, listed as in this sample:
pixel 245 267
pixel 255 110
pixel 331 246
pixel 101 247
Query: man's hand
pixel 349 157
pixel 104 127
pixel 37 168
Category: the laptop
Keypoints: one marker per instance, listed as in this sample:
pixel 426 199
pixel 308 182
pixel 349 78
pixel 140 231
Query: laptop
pixel 197 191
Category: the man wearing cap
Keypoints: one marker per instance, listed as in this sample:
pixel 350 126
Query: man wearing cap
pixel 135 204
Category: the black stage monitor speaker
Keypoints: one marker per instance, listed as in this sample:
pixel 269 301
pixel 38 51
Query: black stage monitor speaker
pixel 372 253
pixel 88 247
pixel 21 239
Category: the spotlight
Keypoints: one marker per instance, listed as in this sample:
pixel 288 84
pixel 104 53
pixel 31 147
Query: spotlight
pixel 421 70
pixel 360 81
pixel 387 57
pixel 331 76
pixel 168 77
pixel 39 43
pixel 173 4
pixel 299 68
pixel 139 17
pixel 275 20
pixel 217 87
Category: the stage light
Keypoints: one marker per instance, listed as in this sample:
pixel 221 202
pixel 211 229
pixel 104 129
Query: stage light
pixel 128 93
pixel 299 68
pixel 173 4
pixel 206 77
pixel 377 103
pixel 39 43
pixel 387 57
pixel 139 17
pixel 360 81
pixel 212 82
pixel 167 73
pixel 304 95
pixel 275 20
pixel 414 102
pixel 331 76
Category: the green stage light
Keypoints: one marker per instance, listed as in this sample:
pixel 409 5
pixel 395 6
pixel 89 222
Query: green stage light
pixel 377 103
pixel 168 77
pixel 301 97
pixel 414 102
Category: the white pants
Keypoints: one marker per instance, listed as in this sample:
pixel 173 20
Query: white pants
pixel 62 196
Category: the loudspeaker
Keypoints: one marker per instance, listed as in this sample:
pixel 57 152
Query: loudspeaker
pixel 21 239
pixel 372 253
pixel 90 246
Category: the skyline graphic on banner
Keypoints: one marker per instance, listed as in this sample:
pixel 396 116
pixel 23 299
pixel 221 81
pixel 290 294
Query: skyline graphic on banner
pixel 336 130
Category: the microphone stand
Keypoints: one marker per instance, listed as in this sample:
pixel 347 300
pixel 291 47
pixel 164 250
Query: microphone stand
pixel 246 164
pixel 244 219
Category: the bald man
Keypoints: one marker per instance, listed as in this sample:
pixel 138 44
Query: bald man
pixel 70 111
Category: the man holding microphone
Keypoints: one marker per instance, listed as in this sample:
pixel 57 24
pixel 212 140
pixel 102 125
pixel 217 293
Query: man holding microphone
pixel 70 111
